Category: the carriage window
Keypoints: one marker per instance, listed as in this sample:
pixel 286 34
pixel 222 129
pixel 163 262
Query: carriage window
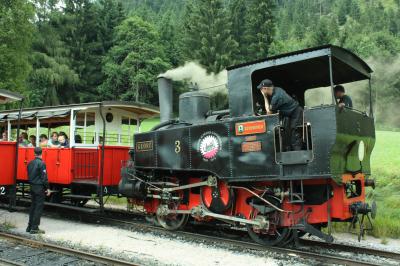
pixel 84 128
pixel 128 129
pixel 90 119
pixel 80 119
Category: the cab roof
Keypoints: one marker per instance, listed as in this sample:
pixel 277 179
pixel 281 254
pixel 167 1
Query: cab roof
pixel 308 68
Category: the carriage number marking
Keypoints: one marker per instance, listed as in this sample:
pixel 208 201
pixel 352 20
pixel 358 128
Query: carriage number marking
pixel 2 190
pixel 177 146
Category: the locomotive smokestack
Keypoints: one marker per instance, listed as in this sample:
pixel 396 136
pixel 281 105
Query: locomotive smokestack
pixel 165 98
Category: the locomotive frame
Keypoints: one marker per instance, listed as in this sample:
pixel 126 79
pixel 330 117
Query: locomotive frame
pixel 233 166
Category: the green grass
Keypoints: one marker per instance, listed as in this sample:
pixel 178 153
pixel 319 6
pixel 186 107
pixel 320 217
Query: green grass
pixel 386 171
pixel 149 124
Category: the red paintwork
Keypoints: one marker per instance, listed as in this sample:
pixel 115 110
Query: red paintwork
pixel 7 156
pixel 316 214
pixel 66 165
pixel 113 158
pixel 58 164
pixel 224 194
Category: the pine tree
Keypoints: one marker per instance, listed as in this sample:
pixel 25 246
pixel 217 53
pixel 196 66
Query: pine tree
pixel 207 35
pixel 15 40
pixel 133 63
pixel 260 28
pixel 52 80
pixel 170 37
pixel 324 32
pixel 237 16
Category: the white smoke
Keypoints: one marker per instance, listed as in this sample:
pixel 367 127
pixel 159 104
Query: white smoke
pixel 195 73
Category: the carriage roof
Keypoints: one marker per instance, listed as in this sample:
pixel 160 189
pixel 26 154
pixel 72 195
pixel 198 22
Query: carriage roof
pixel 8 96
pixel 308 68
pixel 140 109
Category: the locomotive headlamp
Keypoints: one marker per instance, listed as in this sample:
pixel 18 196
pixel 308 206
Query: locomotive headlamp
pixel 361 151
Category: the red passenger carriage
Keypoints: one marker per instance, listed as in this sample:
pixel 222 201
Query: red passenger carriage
pixel 100 135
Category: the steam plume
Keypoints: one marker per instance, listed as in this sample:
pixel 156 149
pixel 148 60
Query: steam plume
pixel 193 72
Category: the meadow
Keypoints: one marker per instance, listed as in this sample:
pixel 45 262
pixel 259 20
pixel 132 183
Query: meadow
pixel 386 171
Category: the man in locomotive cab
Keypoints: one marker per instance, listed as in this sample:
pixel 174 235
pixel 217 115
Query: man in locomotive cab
pixel 277 100
pixel 39 189
pixel 342 99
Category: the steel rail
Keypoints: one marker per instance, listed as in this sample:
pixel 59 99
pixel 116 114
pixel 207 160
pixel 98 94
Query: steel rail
pixel 64 250
pixel 357 249
pixel 6 262
pixel 250 245
pixel 305 242
pixel 243 244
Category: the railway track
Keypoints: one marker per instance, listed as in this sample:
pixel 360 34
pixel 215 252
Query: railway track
pixel 34 252
pixel 300 252
pixel 309 249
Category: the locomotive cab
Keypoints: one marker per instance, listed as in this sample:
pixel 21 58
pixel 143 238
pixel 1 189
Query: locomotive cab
pixel 336 135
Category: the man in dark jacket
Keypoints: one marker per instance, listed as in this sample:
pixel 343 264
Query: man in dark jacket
pixel 342 99
pixel 39 189
pixel 277 100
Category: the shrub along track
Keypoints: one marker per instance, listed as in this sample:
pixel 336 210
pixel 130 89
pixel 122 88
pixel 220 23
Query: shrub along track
pixel 308 249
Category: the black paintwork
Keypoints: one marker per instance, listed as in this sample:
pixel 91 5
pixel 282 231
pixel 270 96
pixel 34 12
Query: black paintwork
pixel 335 133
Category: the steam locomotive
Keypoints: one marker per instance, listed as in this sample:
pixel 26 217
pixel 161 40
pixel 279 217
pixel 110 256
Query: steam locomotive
pixel 234 165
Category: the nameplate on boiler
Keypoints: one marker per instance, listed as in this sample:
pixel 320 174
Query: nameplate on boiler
pixel 251 127
pixel 144 146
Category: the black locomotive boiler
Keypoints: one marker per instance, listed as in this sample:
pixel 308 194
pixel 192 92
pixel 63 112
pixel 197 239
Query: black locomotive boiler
pixel 233 165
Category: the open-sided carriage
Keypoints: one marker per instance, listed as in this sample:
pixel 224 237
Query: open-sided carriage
pixel 99 136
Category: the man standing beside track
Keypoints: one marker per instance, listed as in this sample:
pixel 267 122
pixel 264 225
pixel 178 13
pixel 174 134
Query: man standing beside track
pixel 39 189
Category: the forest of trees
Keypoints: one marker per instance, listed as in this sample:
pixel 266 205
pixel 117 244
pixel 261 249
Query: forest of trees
pixel 69 51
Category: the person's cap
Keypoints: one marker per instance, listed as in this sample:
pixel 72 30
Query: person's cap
pixel 37 151
pixel 339 88
pixel 265 83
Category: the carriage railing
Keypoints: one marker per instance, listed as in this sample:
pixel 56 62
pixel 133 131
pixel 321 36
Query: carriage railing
pixel 86 164
pixel 91 138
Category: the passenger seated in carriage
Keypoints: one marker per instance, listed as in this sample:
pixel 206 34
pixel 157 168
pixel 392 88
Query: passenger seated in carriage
pixel 43 141
pixel 63 141
pixel 32 141
pixel 23 140
pixel 4 136
pixel 53 142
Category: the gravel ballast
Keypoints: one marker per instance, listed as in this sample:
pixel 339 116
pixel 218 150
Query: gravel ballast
pixel 139 247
